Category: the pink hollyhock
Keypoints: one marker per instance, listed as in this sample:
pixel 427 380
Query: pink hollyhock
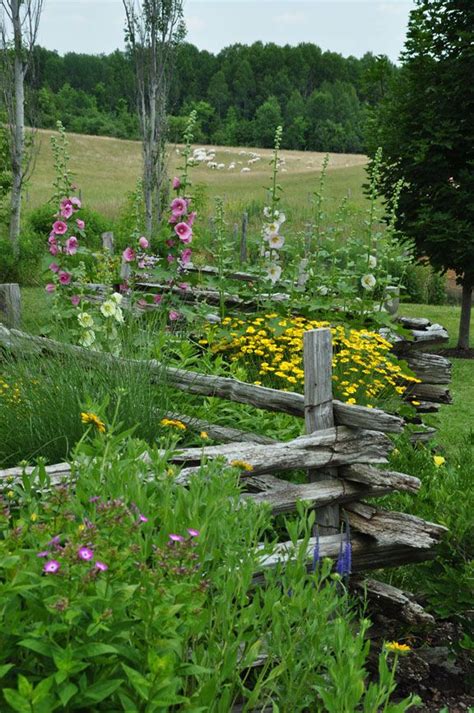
pixel 170 258
pixel 52 238
pixel 80 224
pixel 75 299
pixel 179 206
pixel 173 315
pixel 71 245
pixel 191 218
pixel 173 219
pixel 157 299
pixel 143 243
pixel 184 232
pixel 183 286
pixel 64 278
pixel 54 267
pixel 128 254
pixel 186 256
pixel 67 211
pixel 59 227
pixel 76 202
pixel 50 287
pixel 176 183
pixel 53 249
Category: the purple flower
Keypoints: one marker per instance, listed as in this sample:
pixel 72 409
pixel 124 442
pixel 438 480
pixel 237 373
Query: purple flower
pixel 142 518
pixel 51 567
pixel 176 538
pixel 316 551
pixel 44 553
pixel 54 542
pixel 85 553
pixel 101 566
pixel 94 499
pixel 193 532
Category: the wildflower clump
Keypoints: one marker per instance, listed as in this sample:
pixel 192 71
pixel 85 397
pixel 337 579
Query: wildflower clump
pixel 9 392
pixel 243 465
pixel 91 418
pixel 271 346
pixel 172 423
pixel 396 648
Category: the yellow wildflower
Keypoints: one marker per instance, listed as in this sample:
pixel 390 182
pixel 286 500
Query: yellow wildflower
pixel 204 435
pixel 33 517
pixel 172 423
pixel 439 461
pixel 397 648
pixel 242 464
pixel 89 417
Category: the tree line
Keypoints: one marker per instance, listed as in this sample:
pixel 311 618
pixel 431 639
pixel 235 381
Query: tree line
pixel 241 95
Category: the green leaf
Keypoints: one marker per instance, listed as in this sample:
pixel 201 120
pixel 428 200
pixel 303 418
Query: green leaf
pixel 16 701
pixel 95 649
pixel 102 689
pixel 139 682
pixel 66 692
pixel 5 669
pixel 39 647
pixel 25 688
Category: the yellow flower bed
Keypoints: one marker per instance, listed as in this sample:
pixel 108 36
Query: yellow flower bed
pixel 364 370
pixel 9 392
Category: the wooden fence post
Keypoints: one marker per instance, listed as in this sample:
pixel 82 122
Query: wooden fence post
pixel 318 410
pixel 243 239
pixel 10 305
pixel 108 242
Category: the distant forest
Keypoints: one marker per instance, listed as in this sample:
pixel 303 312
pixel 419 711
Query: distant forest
pixel 323 100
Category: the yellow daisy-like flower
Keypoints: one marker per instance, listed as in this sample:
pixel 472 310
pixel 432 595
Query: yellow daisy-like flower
pixel 204 435
pixel 242 464
pixel 33 517
pixel 89 417
pixel 439 461
pixel 397 648
pixel 172 423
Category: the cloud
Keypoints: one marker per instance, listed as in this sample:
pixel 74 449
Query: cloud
pixel 290 18
pixel 195 23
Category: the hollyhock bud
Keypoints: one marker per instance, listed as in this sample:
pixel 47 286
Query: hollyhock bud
pixel 80 224
pixel 143 243
pixel 176 183
pixel 50 287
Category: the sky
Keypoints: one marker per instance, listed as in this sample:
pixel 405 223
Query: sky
pixel 350 27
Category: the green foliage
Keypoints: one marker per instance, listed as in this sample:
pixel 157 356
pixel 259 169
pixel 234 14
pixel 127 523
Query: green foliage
pixel 26 269
pixel 132 620
pixel 5 177
pixel 40 220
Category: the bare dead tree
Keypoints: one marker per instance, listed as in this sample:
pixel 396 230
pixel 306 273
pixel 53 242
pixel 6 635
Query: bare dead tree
pixel 153 30
pixel 19 24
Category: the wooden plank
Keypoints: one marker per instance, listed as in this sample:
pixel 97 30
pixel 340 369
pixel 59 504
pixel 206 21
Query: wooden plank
pixel 392 599
pixel 434 393
pixel 318 409
pixel 430 368
pixel 10 304
pixel 224 434
pixel 393 527
pixel 369 475
pixel 367 553
pixel 222 387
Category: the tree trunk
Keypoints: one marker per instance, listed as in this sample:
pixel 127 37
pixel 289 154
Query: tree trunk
pixel 465 321
pixel 18 132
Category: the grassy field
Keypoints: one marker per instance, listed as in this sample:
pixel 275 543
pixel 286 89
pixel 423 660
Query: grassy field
pixel 106 169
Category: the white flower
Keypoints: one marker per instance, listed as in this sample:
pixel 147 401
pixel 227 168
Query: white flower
pixel 88 338
pixel 267 212
pixel 281 218
pixel 85 319
pixel 109 308
pixel 117 298
pixel 276 241
pixel 372 262
pixel 274 273
pixel 271 228
pixel 368 282
pixel 323 290
pixel 119 315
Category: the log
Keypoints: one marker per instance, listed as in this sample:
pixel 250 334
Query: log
pixel 318 409
pixel 427 407
pixel 423 436
pixel 225 434
pixel 332 447
pixel 414 322
pixel 430 368
pixel 222 387
pixel 10 304
pixel 393 527
pixel 367 554
pixel 394 600
pixel 320 494
pixel 434 393
pixel 211 296
pixel 369 475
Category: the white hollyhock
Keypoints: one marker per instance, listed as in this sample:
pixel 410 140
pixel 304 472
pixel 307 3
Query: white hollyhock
pixel 368 282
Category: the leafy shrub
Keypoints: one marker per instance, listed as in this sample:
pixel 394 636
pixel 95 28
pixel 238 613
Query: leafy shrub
pixel 134 593
pixel 423 285
pixel 41 219
pixel 26 269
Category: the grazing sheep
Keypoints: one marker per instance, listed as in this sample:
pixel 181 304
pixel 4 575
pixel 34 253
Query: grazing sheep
pixel 245 169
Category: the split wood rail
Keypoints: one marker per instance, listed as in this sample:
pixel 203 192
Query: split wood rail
pixel 343 453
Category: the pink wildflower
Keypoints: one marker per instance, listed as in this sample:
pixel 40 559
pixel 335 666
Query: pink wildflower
pixel 71 245
pixel 142 303
pixel 170 258
pixel 85 553
pixel 184 232
pixel 173 219
pixel 128 254
pixel 51 567
pixel 193 532
pixel 176 538
pixel 176 183
pixel 44 553
pixel 59 227
pixel 101 566
pixel 54 267
pixel 142 518
pixel 76 203
pixel 64 277
pixel 157 299
pixel 52 240
pixel 183 286
pixel 75 299
pixel 80 224
pixel 67 211
pixel 50 287
pixel 173 315
pixel 191 218
pixel 53 249
pixel 143 243
pixel 186 256
pixel 179 206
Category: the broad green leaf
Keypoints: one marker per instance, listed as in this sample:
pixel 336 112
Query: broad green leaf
pixel 94 649
pixel 40 647
pixel 16 701
pixel 5 669
pixel 138 681
pixel 101 690
pixel 66 692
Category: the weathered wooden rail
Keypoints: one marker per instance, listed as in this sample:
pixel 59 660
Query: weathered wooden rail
pixel 343 454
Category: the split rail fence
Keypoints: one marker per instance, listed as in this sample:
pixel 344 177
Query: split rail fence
pixel 344 454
